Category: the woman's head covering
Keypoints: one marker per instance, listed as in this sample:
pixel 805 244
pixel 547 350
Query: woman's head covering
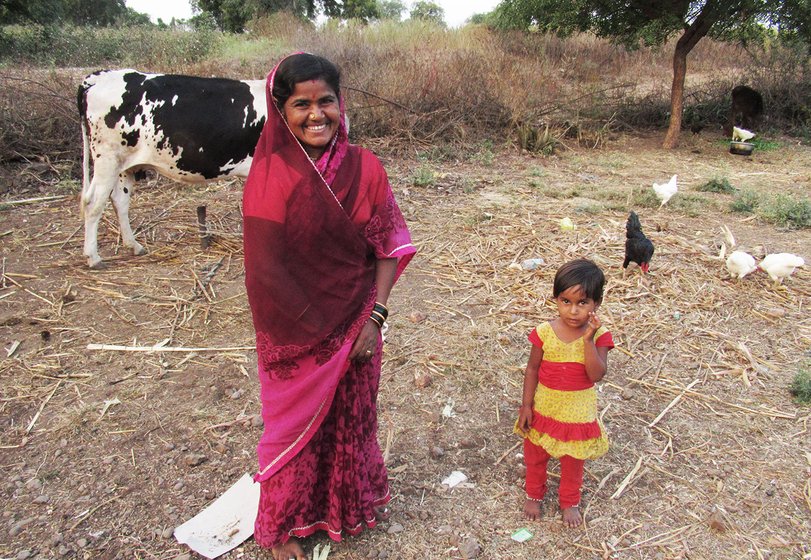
pixel 330 160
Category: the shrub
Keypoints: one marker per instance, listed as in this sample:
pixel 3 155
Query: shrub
pixel 423 177
pixel 785 211
pixel 745 202
pixel 717 186
pixel 800 387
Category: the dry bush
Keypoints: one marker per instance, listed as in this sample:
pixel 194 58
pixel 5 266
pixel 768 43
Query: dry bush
pixel 414 81
pixel 38 115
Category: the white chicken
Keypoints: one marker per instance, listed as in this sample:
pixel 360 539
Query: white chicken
pixel 780 265
pixel 741 134
pixel 739 264
pixel 666 191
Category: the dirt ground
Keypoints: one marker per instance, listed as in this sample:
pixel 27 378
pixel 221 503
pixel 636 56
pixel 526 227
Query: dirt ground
pixel 104 452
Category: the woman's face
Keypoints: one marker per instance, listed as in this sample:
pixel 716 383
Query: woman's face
pixel 312 112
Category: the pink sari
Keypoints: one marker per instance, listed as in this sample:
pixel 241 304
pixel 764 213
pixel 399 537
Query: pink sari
pixel 312 234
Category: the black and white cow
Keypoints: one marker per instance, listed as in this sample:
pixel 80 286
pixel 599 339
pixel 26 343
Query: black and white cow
pixel 186 128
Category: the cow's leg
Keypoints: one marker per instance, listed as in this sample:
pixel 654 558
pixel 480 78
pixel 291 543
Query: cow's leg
pixel 105 176
pixel 121 200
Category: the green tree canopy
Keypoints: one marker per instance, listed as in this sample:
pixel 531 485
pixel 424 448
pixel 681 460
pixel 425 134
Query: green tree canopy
pixel 79 12
pixel 234 15
pixel 428 11
pixel 390 9
pixel 651 22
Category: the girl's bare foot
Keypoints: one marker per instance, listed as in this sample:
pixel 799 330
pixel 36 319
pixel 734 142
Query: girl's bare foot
pixel 291 550
pixel 571 517
pixel 532 509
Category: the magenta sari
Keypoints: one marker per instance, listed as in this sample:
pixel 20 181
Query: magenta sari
pixel 312 234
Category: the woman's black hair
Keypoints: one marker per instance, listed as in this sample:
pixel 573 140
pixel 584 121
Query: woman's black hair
pixel 583 273
pixel 300 68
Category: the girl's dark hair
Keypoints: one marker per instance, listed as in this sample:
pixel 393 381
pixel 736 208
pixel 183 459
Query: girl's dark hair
pixel 300 68
pixel 583 273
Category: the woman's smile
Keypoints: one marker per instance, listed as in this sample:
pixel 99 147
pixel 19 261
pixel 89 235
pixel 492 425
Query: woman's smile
pixel 313 113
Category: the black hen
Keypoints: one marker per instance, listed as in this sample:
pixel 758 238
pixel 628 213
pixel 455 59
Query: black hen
pixel 638 248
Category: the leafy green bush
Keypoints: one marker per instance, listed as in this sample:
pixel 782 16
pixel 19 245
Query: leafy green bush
pixel 717 186
pixel 800 387
pixel 139 46
pixel 423 177
pixel 785 211
pixel 745 202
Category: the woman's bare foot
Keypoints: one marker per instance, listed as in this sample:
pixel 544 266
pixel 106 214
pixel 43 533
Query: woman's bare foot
pixel 291 550
pixel 532 509
pixel 571 517
pixel 382 513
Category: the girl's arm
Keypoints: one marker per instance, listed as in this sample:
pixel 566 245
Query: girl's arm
pixel 596 359
pixel 530 385
pixel 385 270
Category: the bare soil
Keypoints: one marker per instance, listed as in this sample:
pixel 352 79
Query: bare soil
pixel 104 452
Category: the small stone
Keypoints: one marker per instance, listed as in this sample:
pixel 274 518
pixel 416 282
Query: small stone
pixel 716 522
pixel 470 548
pixel 422 380
pixel 42 499
pixel 33 484
pixel 178 485
pixel 468 444
pixel 436 452
pixel 383 554
pixel 168 446
pixel 63 551
pixel 18 527
pixel 183 557
pixel 256 421
pixel 372 553
pixel 444 530
pixel 627 393
pixel 57 454
pixel 168 532
pixel 237 394
pixel 220 448
pixel 23 555
pixel 81 543
pixel 55 539
pixel 395 528
pixel 416 317
pixel 195 459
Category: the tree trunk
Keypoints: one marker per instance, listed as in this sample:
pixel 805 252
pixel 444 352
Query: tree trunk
pixel 692 35
pixel 676 96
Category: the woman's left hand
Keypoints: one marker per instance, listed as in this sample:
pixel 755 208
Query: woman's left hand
pixel 366 343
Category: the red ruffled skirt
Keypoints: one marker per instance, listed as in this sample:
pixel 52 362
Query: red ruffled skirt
pixel 339 478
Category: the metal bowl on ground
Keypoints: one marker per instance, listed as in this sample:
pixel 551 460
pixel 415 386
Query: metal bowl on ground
pixel 741 148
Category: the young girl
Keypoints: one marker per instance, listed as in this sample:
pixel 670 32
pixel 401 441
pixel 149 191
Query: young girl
pixel 558 414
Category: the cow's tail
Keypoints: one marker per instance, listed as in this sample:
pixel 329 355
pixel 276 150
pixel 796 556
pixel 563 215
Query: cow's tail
pixel 81 100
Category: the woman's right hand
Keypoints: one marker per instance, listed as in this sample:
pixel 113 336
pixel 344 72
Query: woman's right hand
pixel 524 418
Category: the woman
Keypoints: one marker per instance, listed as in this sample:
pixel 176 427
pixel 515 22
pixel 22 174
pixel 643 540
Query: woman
pixel 324 244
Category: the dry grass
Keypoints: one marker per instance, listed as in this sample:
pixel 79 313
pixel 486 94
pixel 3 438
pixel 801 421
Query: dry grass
pixel 709 452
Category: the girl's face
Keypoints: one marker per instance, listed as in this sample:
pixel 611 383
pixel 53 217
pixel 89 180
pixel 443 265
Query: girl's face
pixel 312 112
pixel 574 307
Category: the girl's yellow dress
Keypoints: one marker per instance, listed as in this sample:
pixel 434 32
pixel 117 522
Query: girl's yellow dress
pixel 565 418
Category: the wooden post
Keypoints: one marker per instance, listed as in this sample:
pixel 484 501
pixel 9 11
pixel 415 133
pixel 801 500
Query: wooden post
pixel 205 236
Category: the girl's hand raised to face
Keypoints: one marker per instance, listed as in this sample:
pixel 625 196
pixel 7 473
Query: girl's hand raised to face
pixel 592 325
